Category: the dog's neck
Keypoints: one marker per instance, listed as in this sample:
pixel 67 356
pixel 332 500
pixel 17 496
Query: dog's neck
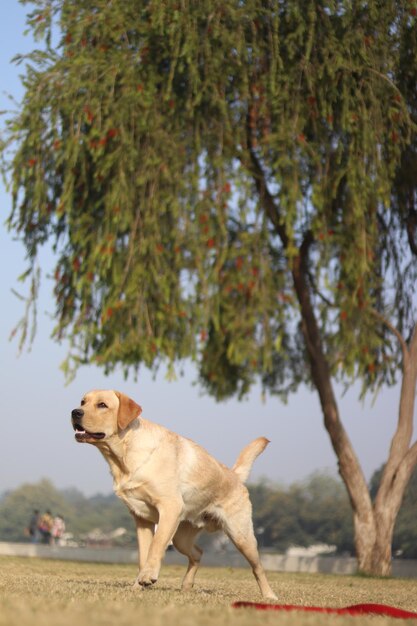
pixel 113 450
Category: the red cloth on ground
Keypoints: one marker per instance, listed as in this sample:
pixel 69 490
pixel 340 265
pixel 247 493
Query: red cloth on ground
pixel 355 609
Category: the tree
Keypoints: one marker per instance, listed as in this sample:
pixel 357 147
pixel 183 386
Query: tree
pixel 81 514
pixel 232 181
pixel 17 507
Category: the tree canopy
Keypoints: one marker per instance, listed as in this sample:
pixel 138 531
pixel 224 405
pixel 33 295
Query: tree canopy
pixel 183 157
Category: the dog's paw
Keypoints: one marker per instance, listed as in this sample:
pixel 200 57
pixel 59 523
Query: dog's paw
pixel 146 578
pixel 271 596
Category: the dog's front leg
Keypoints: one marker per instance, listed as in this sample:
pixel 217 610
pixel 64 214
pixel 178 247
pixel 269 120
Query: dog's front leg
pixel 145 532
pixel 169 519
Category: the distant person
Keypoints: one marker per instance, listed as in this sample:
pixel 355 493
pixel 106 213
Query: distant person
pixel 33 527
pixel 58 529
pixel 45 527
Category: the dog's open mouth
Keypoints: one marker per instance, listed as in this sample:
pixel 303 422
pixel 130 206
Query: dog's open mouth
pixel 83 435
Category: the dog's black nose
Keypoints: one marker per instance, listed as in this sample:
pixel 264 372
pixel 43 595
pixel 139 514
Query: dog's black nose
pixel 77 414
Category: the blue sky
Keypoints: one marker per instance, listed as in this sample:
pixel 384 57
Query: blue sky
pixel 37 439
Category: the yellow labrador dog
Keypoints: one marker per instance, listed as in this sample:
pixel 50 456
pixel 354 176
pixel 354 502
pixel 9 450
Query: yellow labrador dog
pixel 170 482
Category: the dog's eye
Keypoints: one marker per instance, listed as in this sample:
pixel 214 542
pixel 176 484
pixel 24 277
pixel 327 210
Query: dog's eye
pixel 82 402
pixel 102 405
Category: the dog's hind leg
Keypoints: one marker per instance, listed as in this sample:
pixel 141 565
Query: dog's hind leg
pixel 239 528
pixel 183 541
pixel 246 544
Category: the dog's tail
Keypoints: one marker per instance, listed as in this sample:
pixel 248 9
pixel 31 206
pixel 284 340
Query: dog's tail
pixel 244 462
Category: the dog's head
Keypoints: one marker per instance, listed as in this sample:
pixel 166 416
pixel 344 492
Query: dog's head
pixel 102 414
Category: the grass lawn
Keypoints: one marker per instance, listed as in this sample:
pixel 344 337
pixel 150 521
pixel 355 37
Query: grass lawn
pixel 38 592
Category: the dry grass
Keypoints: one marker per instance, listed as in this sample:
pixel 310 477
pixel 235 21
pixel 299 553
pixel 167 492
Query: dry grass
pixel 57 593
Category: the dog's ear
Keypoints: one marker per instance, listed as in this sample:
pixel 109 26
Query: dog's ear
pixel 128 410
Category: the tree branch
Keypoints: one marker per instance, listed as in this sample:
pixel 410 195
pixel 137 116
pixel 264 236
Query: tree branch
pixel 265 196
pixel 305 245
pixel 396 332
pixel 318 292
pixel 411 224
pixel 399 449
pixel 411 457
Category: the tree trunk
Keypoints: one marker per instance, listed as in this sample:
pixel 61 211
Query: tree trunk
pixel 364 539
pixel 374 549
pixel 373 544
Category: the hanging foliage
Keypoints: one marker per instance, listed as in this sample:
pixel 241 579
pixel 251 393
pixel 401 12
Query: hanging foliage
pixel 178 155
